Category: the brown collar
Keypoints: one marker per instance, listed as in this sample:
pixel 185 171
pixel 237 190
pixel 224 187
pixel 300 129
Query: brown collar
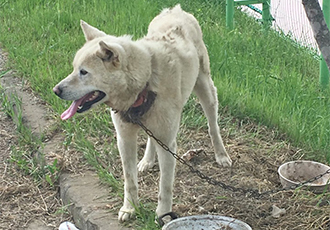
pixel 141 106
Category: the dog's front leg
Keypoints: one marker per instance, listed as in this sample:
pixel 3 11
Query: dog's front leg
pixel 127 142
pixel 127 149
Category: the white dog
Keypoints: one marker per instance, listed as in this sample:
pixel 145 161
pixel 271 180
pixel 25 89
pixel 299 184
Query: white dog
pixel 149 79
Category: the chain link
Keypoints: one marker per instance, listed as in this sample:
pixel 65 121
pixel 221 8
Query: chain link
pixel 248 192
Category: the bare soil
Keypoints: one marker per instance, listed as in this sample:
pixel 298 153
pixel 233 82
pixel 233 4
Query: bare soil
pixel 256 152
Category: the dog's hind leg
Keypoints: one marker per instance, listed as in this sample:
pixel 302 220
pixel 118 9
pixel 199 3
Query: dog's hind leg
pixel 207 94
pixel 167 171
pixel 148 160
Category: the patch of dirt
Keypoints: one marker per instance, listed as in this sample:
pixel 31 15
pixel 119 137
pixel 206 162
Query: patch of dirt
pixel 256 153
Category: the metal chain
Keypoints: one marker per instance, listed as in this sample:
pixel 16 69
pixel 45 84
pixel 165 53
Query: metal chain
pixel 248 192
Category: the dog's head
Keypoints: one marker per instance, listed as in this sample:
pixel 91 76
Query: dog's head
pixel 106 69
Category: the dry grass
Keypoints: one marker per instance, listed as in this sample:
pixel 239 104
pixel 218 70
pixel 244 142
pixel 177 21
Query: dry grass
pixel 256 155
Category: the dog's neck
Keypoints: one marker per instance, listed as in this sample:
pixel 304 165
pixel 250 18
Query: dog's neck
pixel 141 105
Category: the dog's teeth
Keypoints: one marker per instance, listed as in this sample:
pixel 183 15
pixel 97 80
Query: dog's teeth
pixel 95 95
pixel 79 107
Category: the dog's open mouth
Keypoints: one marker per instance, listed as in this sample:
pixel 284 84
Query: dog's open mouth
pixel 83 104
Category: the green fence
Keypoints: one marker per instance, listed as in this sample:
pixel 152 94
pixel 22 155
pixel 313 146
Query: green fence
pixel 324 70
pixel 230 6
pixel 267 20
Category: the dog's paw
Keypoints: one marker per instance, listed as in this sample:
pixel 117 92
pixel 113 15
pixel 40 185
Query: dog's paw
pixel 144 165
pixel 223 161
pixel 125 214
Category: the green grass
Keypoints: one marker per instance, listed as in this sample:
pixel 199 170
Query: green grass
pixel 262 76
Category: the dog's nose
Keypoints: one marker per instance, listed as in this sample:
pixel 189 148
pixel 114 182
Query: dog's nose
pixel 57 90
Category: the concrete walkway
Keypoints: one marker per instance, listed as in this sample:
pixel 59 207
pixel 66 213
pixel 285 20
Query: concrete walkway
pixel 87 201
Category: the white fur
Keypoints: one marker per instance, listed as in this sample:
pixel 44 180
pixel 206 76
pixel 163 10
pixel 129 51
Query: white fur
pixel 173 59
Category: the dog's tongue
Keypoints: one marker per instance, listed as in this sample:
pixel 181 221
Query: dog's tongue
pixel 72 110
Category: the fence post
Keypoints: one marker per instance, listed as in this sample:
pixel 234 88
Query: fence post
pixel 230 8
pixel 324 70
pixel 230 14
pixel 266 16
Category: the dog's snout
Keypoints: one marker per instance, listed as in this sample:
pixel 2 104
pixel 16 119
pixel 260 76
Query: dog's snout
pixel 57 90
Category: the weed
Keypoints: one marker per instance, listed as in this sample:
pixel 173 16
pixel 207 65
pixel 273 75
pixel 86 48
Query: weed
pixel 3 73
pixel 63 209
pixel 51 173
pixel 146 217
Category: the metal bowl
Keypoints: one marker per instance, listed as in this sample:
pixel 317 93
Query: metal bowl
pixel 296 172
pixel 206 222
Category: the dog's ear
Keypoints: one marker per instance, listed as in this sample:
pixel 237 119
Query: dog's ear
pixel 90 32
pixel 110 52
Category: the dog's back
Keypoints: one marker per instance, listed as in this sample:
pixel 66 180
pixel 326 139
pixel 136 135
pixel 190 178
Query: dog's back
pixel 175 23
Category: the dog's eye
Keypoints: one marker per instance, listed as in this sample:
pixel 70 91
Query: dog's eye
pixel 83 72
